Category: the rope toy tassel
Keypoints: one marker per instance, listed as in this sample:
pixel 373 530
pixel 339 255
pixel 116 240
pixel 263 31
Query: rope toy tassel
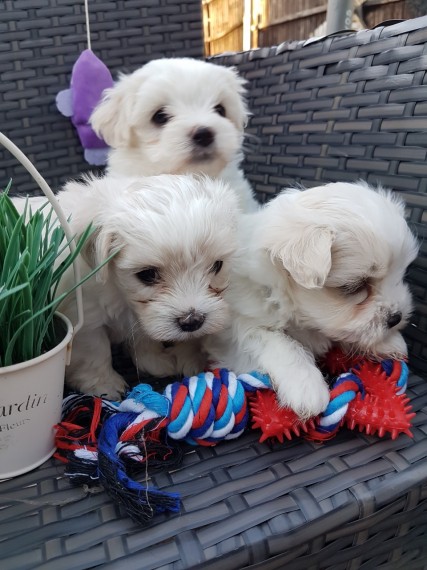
pixel 140 502
pixel 77 438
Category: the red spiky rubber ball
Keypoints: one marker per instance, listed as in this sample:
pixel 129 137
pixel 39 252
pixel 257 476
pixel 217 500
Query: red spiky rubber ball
pixel 274 421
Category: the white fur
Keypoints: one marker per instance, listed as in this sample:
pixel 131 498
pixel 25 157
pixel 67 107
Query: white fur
pixel 181 225
pixel 294 288
pixel 187 90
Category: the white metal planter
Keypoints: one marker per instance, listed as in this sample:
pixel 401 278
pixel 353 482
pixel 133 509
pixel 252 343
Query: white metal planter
pixel 31 392
pixel 30 405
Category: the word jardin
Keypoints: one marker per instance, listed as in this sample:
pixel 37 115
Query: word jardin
pixel 32 401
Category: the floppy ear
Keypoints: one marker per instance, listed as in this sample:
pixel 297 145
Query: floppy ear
pixel 237 85
pixel 111 118
pixel 306 254
pixel 98 247
pixel 81 201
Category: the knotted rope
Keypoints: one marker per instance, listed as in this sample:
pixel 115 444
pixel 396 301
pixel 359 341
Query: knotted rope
pixel 105 442
pixel 201 410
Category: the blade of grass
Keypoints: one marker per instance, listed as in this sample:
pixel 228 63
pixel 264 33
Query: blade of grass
pixel 56 302
pixel 31 245
pixel 13 250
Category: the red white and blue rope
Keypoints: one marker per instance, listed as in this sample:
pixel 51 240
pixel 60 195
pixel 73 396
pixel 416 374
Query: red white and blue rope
pixel 101 441
pixel 345 389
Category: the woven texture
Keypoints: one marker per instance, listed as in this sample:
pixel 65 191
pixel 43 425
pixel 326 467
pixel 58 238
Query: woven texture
pixel 345 108
pixel 245 504
pixel 341 108
pixel 40 41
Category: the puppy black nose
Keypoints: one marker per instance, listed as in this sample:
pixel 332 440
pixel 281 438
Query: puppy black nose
pixel 203 137
pixel 192 321
pixel 394 319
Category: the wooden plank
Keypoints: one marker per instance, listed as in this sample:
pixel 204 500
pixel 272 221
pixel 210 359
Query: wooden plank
pixel 223 34
pixel 297 16
pixel 373 3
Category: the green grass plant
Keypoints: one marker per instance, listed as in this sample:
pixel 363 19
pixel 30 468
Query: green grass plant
pixel 34 256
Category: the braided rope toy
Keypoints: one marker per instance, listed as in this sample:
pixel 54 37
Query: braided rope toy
pixel 105 442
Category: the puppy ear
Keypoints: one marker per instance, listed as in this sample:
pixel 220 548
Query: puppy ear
pixel 306 254
pixel 81 201
pixel 237 84
pixel 110 119
pixel 97 249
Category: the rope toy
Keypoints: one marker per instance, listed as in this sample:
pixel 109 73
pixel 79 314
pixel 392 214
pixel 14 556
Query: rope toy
pixel 103 442
pixel 108 443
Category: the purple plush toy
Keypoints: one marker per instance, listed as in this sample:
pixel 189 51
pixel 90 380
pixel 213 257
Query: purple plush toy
pixel 89 78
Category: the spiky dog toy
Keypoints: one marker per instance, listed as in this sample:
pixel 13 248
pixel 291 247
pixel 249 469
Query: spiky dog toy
pixel 370 397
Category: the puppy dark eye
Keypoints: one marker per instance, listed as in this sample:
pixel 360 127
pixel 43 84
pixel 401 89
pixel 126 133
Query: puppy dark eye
pixel 217 266
pixel 220 109
pixel 148 276
pixel 160 117
pixel 354 288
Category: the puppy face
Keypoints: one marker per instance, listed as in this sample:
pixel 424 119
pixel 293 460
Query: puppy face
pixel 175 236
pixel 175 116
pixel 344 249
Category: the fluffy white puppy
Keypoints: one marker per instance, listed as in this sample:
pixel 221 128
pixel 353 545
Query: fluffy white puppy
pixel 177 116
pixel 162 292
pixel 316 266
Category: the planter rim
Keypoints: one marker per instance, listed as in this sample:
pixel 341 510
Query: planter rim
pixel 27 363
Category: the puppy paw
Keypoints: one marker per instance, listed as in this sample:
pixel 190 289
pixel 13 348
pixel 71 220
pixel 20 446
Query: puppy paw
pixel 191 359
pixel 112 388
pixel 304 391
pixel 195 365
pixel 110 385
pixel 159 366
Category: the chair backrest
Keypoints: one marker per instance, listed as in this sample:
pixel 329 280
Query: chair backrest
pixel 345 107
pixel 339 108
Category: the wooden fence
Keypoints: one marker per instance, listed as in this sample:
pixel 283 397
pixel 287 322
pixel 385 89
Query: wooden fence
pixel 270 22
pixel 223 25
pixel 283 20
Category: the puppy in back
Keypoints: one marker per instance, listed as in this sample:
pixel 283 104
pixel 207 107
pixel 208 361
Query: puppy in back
pixel 162 292
pixel 177 116
pixel 314 267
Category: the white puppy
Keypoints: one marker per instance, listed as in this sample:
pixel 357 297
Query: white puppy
pixel 316 266
pixel 163 290
pixel 177 116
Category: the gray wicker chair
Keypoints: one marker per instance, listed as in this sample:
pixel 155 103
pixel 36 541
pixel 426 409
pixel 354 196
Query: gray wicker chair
pixel 340 108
